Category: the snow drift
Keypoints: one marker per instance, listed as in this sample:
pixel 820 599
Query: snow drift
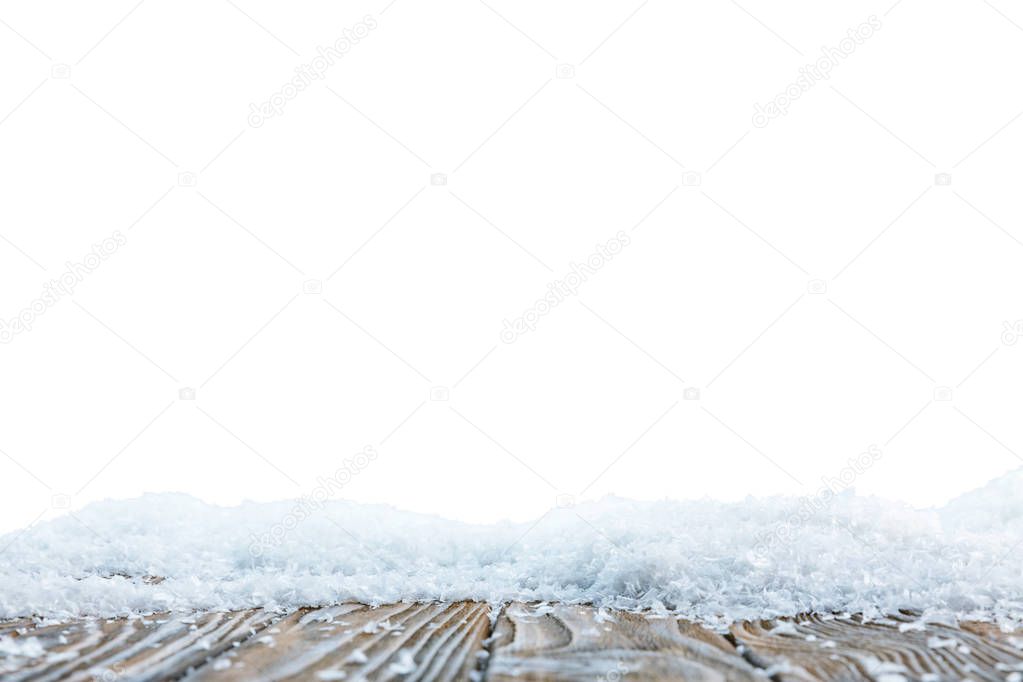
pixel 710 561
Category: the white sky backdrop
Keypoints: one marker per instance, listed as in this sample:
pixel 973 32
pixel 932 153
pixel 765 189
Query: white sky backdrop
pixel 108 107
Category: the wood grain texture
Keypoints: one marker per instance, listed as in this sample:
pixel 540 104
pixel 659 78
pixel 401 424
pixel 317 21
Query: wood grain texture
pixel 560 642
pixel 991 631
pixel 815 647
pixel 156 647
pixel 409 642
pixel 453 641
pixel 18 625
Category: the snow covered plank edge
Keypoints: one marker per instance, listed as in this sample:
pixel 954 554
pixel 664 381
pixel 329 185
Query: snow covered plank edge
pixel 898 647
pixel 563 642
pixel 407 641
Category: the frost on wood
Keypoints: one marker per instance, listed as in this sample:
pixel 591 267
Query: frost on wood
pixel 709 561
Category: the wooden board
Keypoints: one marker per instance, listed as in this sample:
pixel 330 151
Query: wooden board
pixel 817 647
pixel 559 642
pixel 454 641
pixel 354 642
pixel 156 647
pixel 991 631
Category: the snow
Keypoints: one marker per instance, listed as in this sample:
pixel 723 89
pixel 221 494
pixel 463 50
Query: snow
pixel 710 561
pixel 27 647
pixel 941 643
pixel 405 664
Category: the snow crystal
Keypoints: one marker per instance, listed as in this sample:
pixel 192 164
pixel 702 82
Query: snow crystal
pixel 405 664
pixel 28 647
pixel 941 643
pixel 710 561
pixel 784 628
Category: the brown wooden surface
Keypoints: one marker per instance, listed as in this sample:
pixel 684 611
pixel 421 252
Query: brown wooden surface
pixel 352 642
pixel 848 648
pixel 157 647
pixel 560 642
pixel 455 641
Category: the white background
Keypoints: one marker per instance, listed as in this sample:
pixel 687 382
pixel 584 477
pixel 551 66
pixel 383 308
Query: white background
pixel 107 107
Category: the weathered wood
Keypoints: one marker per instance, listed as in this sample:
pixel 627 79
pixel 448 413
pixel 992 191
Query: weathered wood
pixel 431 641
pixel 423 641
pixel 815 647
pixel 992 631
pixel 156 647
pixel 18 625
pixel 560 642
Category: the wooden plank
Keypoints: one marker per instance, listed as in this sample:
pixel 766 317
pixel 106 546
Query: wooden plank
pixel 18 625
pixel 993 632
pixel 156 647
pixel 815 647
pixel 414 641
pixel 539 642
pixel 561 642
